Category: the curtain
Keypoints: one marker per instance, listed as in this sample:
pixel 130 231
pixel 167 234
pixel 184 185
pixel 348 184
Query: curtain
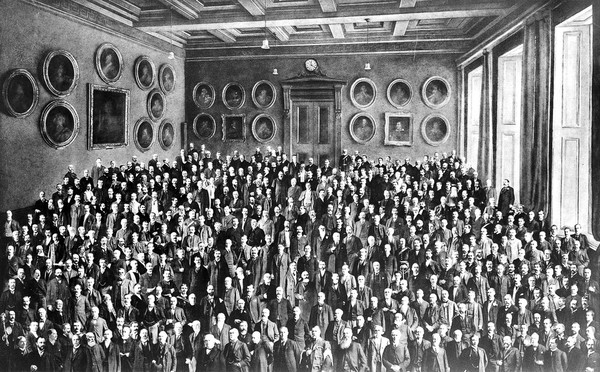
pixel 485 166
pixel 535 134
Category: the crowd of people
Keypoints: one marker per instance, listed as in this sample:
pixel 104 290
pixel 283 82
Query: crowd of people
pixel 268 264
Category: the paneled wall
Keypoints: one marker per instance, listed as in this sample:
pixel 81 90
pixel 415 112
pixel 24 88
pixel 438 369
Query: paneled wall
pixel 27 164
pixel 415 69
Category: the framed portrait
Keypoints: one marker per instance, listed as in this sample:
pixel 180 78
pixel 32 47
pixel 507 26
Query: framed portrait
pixel 234 127
pixel 156 104
pixel 264 94
pixel 435 129
pixel 166 134
pixel 143 134
pixel 398 129
pixel 61 73
pixel 59 124
pixel 233 96
pixel 144 72
pixel 264 128
pixel 108 117
pixel 20 93
pixel 436 92
pixel 204 126
pixel 166 78
pixel 109 63
pixel 399 93
pixel 362 127
pixel 204 95
pixel 363 93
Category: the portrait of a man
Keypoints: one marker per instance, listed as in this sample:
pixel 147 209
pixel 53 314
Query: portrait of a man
pixel 204 126
pixel 167 134
pixel 363 93
pixel 145 135
pixel 362 128
pixel 167 78
pixel 436 92
pixel 398 129
pixel 263 128
pixel 399 93
pixel 204 95
pixel 145 72
pixel 233 128
pixel 435 129
pixel 156 104
pixel 60 73
pixel 263 94
pixel 109 63
pixel 20 93
pixel 109 115
pixel 233 96
pixel 59 124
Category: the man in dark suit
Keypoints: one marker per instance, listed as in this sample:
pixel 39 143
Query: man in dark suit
pixel 555 360
pixel 267 328
pixel 511 357
pixel 209 358
pixel 286 353
pixel 262 354
pixel 506 198
pixel 435 359
pixel 533 357
pixel 236 354
pixel 454 350
pixel 396 354
pixel 575 357
pixel 474 358
pixel 76 359
pixel 350 355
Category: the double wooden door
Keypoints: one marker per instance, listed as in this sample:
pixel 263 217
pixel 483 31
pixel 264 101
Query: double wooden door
pixel 313 130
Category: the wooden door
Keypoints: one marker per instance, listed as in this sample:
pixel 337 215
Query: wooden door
pixel 312 129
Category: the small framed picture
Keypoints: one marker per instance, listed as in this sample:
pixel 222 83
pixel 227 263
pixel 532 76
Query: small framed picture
pixel 398 129
pixel 20 93
pixel 145 72
pixel 362 127
pixel 435 129
pixel 204 95
pixel 233 96
pixel 436 92
pixel 204 126
pixel 156 104
pixel 399 93
pixel 61 73
pixel 363 93
pixel 234 127
pixel 109 63
pixel 108 117
pixel 166 134
pixel 166 78
pixel 264 128
pixel 59 124
pixel 143 134
pixel 264 94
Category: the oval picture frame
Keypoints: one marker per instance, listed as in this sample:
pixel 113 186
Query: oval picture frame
pixel 358 134
pixel 436 92
pixel 54 135
pixel 231 101
pixel 399 93
pixel 204 95
pixel 109 63
pixel 144 79
pixel 167 78
pixel 166 134
pixel 143 134
pixel 432 132
pixel 260 128
pixel 60 72
pixel 20 93
pixel 208 130
pixel 155 98
pixel 366 94
pixel 266 100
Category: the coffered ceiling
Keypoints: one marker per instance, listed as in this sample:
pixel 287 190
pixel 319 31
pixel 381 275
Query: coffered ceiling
pixel 209 29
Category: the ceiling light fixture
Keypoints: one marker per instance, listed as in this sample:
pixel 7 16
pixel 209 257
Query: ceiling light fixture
pixel 367 64
pixel 265 42
pixel 171 53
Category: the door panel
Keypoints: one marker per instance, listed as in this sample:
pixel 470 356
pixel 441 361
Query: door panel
pixel 313 128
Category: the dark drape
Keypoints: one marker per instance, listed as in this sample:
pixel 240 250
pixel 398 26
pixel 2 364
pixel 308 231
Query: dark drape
pixel 485 166
pixel 535 134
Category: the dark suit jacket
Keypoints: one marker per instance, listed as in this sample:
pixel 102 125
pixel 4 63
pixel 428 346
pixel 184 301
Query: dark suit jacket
pixel 237 357
pixel 474 361
pixel 354 357
pixel 511 361
pixel 396 356
pixel 286 357
pixel 272 332
pixel 555 361
pixel 211 362
pixel 262 357
pixel 435 361
pixel 576 360
pixel 531 355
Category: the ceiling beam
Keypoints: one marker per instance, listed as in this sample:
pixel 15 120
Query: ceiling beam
pixel 254 7
pixel 106 12
pixel 337 31
pixel 314 16
pixel 181 8
pixel 117 10
pixel 408 3
pixel 280 33
pixel 223 35
pixel 126 5
pixel 328 6
pixel 167 39
pixel 400 28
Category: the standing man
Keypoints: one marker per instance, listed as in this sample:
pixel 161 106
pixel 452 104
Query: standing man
pixel 286 353
pixel 236 353
pixel 474 358
pixel 506 199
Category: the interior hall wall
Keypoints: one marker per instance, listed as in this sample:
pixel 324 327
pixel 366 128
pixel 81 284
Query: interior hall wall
pixel 27 164
pixel 414 69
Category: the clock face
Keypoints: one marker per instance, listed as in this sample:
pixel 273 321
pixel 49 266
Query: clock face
pixel 310 65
